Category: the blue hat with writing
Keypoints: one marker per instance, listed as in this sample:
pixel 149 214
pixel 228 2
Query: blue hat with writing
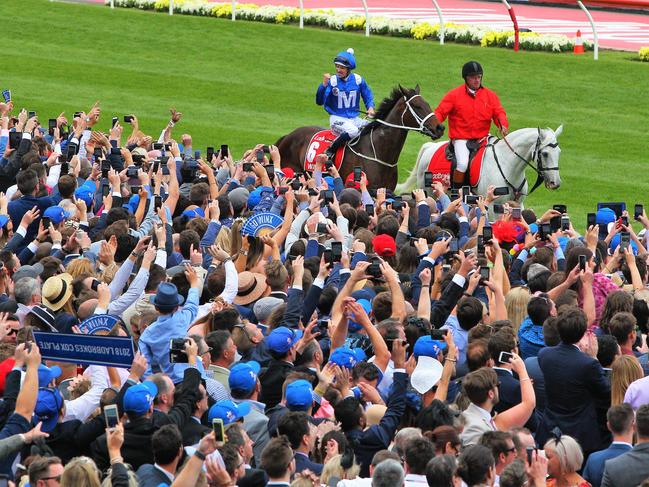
pixel 138 399
pixel 281 339
pixel 86 194
pixel 47 374
pixel 347 357
pixel 243 376
pixel 193 213
pixel 427 347
pixel 367 306
pixel 48 405
pixel 299 395
pixel 56 214
pixel 228 411
pixel 255 197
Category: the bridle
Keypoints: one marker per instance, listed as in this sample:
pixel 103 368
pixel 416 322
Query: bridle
pixel 536 157
pixel 408 108
pixel 421 121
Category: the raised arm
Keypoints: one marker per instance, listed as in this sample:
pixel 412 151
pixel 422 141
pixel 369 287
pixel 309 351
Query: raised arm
pixel 517 416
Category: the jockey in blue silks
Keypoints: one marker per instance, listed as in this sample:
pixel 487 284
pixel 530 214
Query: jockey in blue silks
pixel 340 96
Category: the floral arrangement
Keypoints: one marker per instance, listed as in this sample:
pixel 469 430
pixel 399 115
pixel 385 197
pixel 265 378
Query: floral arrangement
pixel 644 54
pixel 482 35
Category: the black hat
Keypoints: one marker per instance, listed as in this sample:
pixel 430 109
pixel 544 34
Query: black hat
pixel 471 69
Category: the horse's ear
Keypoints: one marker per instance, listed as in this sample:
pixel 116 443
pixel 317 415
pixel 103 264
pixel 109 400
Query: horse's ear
pixel 557 132
pixel 402 90
pixel 417 89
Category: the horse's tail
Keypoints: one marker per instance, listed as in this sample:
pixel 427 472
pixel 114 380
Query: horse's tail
pixel 412 177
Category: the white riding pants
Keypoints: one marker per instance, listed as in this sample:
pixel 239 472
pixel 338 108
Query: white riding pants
pixel 461 154
pixel 351 126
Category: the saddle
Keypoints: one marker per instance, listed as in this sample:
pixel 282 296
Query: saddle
pixel 474 146
pixel 442 162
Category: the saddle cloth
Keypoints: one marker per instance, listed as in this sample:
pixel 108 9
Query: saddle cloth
pixel 440 165
pixel 319 143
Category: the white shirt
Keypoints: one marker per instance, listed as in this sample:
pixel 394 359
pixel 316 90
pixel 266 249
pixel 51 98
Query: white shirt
pixel 414 480
pixel 82 407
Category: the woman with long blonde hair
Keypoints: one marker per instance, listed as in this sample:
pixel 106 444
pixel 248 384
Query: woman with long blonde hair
pixel 80 472
pixel 625 369
pixel 516 304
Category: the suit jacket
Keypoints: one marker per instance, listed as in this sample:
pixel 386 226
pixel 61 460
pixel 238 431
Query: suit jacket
pixel 193 432
pixel 475 425
pixel 256 425
pixel 150 476
pixel 573 384
pixel 594 469
pixel 509 392
pixel 378 437
pixel 629 469
pixel 302 463
pixel 272 380
pixel 254 478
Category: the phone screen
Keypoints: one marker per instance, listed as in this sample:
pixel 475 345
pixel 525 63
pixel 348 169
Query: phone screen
pixel 260 156
pixel 504 357
pixel 357 173
pixel 210 154
pixel 219 433
pixel 225 151
pixel 487 233
pixel 336 251
pixel 428 179
pixel 591 219
pixel 638 210
pixel 582 262
pixel 111 415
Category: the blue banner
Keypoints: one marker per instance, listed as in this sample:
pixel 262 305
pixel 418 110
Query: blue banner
pixel 261 223
pixel 86 349
pixel 98 323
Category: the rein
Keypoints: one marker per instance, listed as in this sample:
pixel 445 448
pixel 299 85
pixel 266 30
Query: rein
pixel 421 129
pixel 536 157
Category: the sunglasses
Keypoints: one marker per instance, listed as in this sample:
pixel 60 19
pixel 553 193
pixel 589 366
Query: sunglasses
pixel 57 478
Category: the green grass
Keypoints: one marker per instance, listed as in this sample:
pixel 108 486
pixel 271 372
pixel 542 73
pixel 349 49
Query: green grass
pixel 244 83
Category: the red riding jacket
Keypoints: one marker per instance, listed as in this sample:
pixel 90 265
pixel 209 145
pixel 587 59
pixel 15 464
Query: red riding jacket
pixel 470 116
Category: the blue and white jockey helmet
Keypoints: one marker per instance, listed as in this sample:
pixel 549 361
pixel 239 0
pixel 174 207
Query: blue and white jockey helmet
pixel 346 59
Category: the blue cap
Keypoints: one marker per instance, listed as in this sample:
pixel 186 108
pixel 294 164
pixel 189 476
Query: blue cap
pixel 615 242
pixel 281 339
pixel 255 197
pixel 299 395
pixel 330 181
pixel 604 216
pixel 243 376
pixel 86 194
pixel 196 212
pixel 365 293
pixel 139 398
pixel 48 405
pixel 367 306
pixel 133 203
pixel 427 347
pixel 3 220
pixel 228 411
pixel 346 58
pixel 47 374
pixel 56 214
pixel 346 357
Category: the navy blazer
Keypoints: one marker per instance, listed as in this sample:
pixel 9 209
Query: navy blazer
pixel 149 476
pixel 573 383
pixel 509 390
pixel 378 437
pixel 302 463
pixel 18 208
pixel 594 469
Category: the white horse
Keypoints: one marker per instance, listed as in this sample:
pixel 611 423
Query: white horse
pixel 504 163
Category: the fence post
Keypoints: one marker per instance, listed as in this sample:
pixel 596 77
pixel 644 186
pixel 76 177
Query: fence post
pixel 171 7
pixel 592 26
pixel 441 22
pixel 112 3
pixel 512 15
pixel 234 9
pixel 367 18
pixel 301 14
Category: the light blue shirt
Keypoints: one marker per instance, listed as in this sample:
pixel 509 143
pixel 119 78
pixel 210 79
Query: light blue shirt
pixel 154 342
pixel 460 337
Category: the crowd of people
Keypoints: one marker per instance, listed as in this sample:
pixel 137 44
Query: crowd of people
pixel 301 329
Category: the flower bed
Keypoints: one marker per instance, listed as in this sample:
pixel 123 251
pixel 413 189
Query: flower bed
pixel 482 35
pixel 644 54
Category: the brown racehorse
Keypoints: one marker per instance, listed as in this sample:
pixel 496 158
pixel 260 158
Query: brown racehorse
pixel 379 144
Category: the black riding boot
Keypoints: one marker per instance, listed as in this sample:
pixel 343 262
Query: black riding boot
pixel 340 141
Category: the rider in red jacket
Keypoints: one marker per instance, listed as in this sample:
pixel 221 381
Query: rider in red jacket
pixel 470 108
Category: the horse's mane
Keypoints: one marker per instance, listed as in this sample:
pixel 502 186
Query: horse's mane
pixel 387 105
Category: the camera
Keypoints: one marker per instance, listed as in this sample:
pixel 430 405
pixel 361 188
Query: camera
pixel 131 172
pixel 322 228
pixel 374 269
pixel 177 354
pixel 247 166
